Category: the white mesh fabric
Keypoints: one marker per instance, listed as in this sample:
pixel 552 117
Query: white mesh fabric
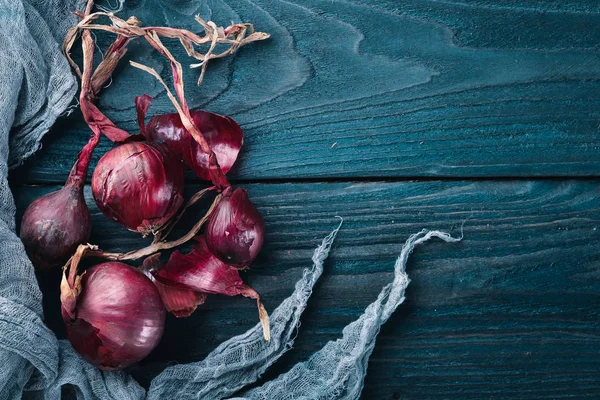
pixel 242 359
pixel 337 371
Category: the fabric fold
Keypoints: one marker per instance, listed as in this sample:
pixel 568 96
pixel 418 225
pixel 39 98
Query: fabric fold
pixel 242 359
pixel 338 370
pixel 22 332
pixel 46 87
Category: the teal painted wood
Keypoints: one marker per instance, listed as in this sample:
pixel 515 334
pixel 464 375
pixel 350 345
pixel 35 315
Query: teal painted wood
pixel 374 89
pixel 382 88
pixel 510 312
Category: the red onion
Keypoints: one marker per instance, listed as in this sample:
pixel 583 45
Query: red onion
pixel 201 271
pixel 113 315
pixel 235 231
pixel 223 135
pixel 139 185
pixel 54 225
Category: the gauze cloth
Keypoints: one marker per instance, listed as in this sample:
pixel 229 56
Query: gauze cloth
pixel 36 86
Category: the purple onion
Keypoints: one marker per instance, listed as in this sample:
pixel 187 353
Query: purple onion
pixel 223 135
pixel 53 225
pixel 114 315
pixel 235 231
pixel 139 185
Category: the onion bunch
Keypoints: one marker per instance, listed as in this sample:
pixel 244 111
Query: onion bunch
pixel 114 313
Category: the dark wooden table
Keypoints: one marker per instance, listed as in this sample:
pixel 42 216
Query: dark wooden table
pixel 398 116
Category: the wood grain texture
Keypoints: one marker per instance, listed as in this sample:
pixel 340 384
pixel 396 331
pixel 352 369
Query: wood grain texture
pixel 380 88
pixel 385 89
pixel 512 311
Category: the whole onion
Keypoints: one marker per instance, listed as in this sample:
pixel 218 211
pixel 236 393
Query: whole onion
pixel 223 135
pixel 235 231
pixel 54 224
pixel 139 185
pixel 113 315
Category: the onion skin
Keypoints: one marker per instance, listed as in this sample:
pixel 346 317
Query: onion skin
pixel 139 185
pixel 53 225
pixel 201 271
pixel 223 135
pixel 235 231
pixel 118 317
pixel 179 301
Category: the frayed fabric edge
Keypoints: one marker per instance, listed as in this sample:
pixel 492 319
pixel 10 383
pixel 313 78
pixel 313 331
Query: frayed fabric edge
pixel 337 371
pixel 241 360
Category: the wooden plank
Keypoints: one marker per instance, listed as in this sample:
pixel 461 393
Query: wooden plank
pixel 383 89
pixel 512 311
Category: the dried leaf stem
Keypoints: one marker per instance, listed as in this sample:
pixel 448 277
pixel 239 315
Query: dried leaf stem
pixel 193 200
pixel 235 36
pixel 79 171
pixel 155 247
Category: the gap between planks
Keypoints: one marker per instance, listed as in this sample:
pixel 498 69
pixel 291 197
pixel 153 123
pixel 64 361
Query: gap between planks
pixel 359 179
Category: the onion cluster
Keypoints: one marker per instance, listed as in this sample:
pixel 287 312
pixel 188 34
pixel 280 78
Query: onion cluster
pixel 114 313
pixel 234 232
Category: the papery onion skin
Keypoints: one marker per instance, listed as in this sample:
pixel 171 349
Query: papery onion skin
pixel 53 225
pixel 223 135
pixel 118 319
pixel 139 185
pixel 235 231
pixel 179 301
pixel 202 271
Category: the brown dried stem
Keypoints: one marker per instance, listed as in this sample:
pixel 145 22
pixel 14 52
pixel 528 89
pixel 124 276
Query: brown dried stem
pixel 111 59
pixel 217 176
pixel 163 233
pixel 155 247
pixel 92 82
pixel 235 35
